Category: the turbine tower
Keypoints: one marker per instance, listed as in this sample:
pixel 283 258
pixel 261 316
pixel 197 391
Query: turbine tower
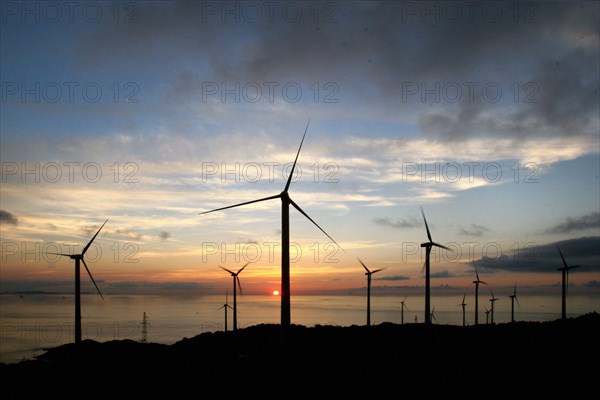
pixel 368 274
pixel 78 260
pixel 477 282
pixel 565 283
pixel 513 297
pixel 285 239
pixel 236 279
pixel 428 246
pixel 492 300
pixel 487 315
pixel 463 304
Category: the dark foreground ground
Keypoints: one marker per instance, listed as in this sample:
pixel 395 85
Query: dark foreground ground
pixel 520 360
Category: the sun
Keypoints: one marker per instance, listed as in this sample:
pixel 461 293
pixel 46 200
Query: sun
pixel 275 292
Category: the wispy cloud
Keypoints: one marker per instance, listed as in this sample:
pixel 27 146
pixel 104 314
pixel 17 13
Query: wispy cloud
pixel 399 223
pixel 474 230
pixel 392 278
pixel 588 221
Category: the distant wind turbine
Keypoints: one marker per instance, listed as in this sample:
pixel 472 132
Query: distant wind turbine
pixel 492 300
pixel 487 315
pixel 565 282
pixel 225 307
pixel 236 279
pixel 513 297
pixel 433 315
pixel 285 239
pixel 368 274
pixel 79 259
pixel 463 304
pixel 477 282
pixel 402 310
pixel 428 246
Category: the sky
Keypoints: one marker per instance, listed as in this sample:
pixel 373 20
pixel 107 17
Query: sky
pixel 485 115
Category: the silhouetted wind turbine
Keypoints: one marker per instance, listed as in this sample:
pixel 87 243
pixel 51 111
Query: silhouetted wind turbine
pixel 487 315
pixel 428 246
pixel 402 310
pixel 433 315
pixel 513 297
pixel 477 282
pixel 78 260
pixel 565 282
pixel 226 306
pixel 236 279
pixel 463 304
pixel 368 274
pixel 285 238
pixel 493 300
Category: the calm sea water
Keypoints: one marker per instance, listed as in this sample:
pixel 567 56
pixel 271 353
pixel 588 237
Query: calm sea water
pixel 31 323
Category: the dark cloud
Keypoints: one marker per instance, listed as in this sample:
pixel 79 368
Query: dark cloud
pixel 164 235
pixel 584 251
pixel 128 234
pixel 588 221
pixel 548 49
pixel 392 278
pixel 400 223
pixel 442 274
pixel 474 230
pixel 8 218
pixel 592 284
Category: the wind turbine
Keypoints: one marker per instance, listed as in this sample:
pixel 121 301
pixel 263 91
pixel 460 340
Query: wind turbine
pixel 487 315
pixel 513 297
pixel 368 274
pixel 236 279
pixel 285 239
pixel 463 304
pixel 226 306
pixel 493 300
pixel 477 282
pixel 565 282
pixel 402 310
pixel 433 315
pixel 78 260
pixel 428 246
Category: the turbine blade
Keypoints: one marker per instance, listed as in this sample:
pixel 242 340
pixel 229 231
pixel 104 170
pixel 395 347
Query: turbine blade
pixel 463 302
pixel 317 225
pixel 517 300
pixel 92 278
pixel 225 269
pixel 239 284
pixel 574 266
pixel 241 204
pixel 426 226
pixel 443 247
pixel 241 269
pixel 423 267
pixel 476 273
pixel 363 264
pixel 90 242
pixel 561 256
pixel 61 254
pixel 226 295
pixel 377 270
pixel 485 283
pixel 287 185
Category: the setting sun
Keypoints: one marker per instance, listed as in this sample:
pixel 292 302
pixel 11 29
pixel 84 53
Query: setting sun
pixel 275 292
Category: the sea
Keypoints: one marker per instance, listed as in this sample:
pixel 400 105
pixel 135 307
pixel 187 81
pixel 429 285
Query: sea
pixel 30 324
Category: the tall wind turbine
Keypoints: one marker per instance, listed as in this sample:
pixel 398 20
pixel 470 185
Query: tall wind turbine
pixel 487 315
pixel 285 238
pixel 565 282
pixel 236 279
pixel 428 246
pixel 226 306
pixel 463 304
pixel 78 260
pixel 477 282
pixel 513 297
pixel 402 310
pixel 492 300
pixel 368 274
